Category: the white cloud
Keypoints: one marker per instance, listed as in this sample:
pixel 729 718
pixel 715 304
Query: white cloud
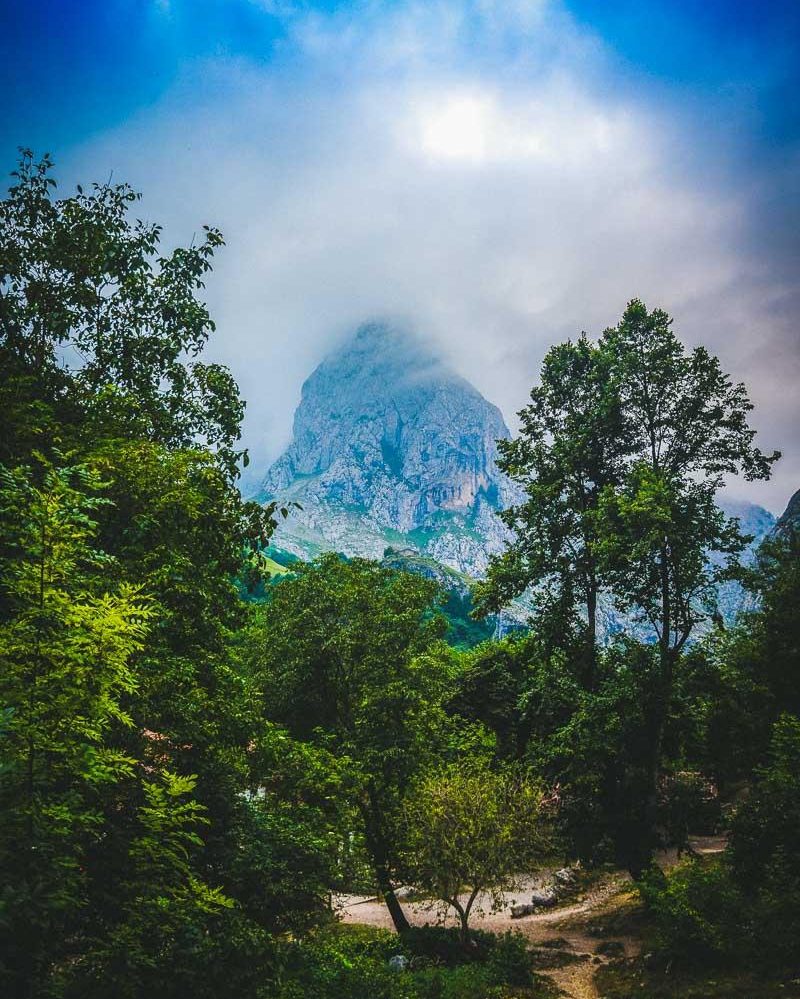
pixel 470 167
pixel 480 127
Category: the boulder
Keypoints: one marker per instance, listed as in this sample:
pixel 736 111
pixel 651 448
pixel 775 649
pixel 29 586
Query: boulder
pixel 544 898
pixel 398 962
pixel 522 909
pixel 565 877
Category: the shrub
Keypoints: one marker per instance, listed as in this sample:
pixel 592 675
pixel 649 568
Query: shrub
pixel 510 962
pixel 352 962
pixel 698 912
pixel 764 851
pixel 506 956
pixel 744 907
pixel 688 802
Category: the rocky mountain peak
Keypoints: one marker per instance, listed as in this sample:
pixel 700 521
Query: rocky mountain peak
pixel 389 441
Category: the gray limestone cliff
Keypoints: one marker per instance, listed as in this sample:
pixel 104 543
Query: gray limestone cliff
pixel 391 446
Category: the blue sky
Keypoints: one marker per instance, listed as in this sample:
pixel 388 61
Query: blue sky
pixel 72 67
pixel 497 173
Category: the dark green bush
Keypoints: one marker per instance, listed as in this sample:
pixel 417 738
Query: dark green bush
pixel 469 981
pixel 505 956
pixel 744 907
pixel 765 850
pixel 334 968
pixel 688 803
pixel 509 962
pixel 352 962
pixel 443 945
pixel 698 912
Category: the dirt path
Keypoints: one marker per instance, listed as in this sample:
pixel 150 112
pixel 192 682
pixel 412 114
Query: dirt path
pixel 372 912
pixel 562 932
pixel 568 929
pixel 576 980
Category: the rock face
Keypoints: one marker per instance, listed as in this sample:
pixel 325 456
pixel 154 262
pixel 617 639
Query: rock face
pixel 391 447
pixel 789 521
pixel 758 523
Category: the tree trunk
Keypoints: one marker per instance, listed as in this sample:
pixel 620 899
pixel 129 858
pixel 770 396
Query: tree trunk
pixel 378 851
pixel 463 915
pixel 641 837
pixel 657 721
pixel 399 919
pixel 591 636
pixel 463 921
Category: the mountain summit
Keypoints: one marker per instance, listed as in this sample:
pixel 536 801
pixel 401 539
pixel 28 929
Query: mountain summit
pixel 392 447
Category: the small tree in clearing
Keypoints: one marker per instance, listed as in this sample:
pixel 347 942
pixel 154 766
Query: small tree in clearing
pixel 471 834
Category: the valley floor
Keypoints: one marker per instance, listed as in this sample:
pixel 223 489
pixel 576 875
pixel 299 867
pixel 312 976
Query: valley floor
pixel 563 933
pixel 573 941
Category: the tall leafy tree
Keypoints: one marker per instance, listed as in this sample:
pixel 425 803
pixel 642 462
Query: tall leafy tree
pixel 99 331
pixel 685 427
pixel 348 651
pixel 66 646
pixel 163 866
pixel 566 453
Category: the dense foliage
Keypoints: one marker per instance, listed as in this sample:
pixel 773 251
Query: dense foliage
pixel 348 656
pixel 621 452
pixel 147 846
pixel 192 762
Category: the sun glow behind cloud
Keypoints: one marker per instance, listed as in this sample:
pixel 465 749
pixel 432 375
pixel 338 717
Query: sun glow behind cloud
pixel 477 128
pixel 463 127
